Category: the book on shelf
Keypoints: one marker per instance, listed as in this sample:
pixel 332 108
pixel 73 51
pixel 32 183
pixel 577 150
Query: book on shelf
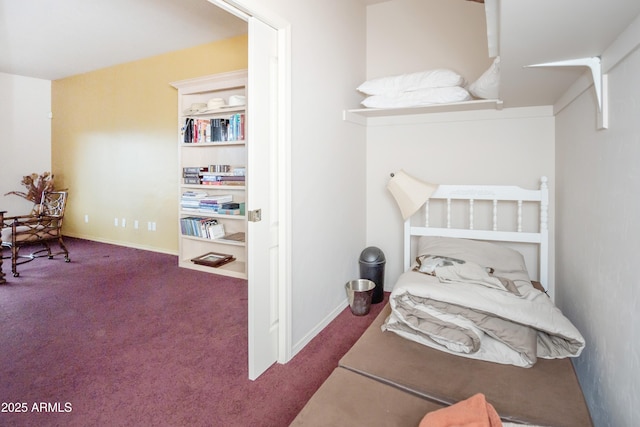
pixel 217 199
pixel 231 205
pixel 238 211
pixel 214 183
pixel 214 179
pixel 203 202
pixel 194 170
pixel 199 130
pixel 192 194
pixel 206 228
pixel 214 175
pixel 187 130
pixel 216 231
pixel 231 178
pixel 191 199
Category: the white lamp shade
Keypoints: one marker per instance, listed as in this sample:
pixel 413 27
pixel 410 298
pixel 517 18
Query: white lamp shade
pixel 410 193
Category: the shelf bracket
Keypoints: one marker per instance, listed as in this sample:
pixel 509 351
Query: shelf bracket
pixel 600 83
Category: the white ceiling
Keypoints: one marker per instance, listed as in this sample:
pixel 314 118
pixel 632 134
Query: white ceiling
pixel 51 39
pixel 54 39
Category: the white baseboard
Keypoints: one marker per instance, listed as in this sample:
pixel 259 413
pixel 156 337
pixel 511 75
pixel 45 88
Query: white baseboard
pixel 319 327
pixel 119 243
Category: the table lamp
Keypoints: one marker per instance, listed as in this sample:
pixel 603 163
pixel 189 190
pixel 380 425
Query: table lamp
pixel 410 193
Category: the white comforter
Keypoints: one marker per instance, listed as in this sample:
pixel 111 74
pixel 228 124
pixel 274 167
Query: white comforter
pixel 534 327
pixel 481 322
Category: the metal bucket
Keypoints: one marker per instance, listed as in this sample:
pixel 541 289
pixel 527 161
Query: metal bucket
pixel 359 293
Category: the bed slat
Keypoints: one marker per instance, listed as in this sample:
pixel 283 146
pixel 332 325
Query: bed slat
pixel 495 215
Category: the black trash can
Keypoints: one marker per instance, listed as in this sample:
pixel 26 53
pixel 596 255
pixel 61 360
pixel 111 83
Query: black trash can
pixel 372 262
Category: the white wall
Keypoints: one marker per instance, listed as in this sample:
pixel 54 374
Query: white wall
pixel 509 147
pixel 598 243
pixel 328 159
pixel 26 136
pixel 414 35
pixel 327 156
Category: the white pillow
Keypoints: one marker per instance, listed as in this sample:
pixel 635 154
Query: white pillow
pixel 436 95
pixel 488 84
pixel 410 82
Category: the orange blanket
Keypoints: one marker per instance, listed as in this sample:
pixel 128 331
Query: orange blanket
pixel 472 412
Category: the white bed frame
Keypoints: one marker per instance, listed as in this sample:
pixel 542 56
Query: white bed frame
pixel 497 194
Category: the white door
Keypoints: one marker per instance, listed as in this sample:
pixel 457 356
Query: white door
pixel 262 197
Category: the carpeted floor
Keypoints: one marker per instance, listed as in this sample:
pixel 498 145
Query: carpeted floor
pixel 123 337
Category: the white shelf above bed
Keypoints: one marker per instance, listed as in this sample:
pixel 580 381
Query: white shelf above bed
pixel 357 115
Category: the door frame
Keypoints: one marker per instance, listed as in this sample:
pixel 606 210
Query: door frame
pixel 245 9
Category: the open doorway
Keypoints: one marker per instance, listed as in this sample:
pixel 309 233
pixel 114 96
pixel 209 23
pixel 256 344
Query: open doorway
pixel 268 257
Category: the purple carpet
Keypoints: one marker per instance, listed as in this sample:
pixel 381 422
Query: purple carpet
pixel 122 336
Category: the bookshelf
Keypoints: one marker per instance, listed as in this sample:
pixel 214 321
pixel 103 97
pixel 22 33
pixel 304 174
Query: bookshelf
pixel 212 160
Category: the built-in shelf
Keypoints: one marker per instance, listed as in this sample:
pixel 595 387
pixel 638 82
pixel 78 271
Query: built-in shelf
pixel 203 165
pixel 220 240
pixel 204 213
pixel 211 144
pixel 357 115
pixel 214 187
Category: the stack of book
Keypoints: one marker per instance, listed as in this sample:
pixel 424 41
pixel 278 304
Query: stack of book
pixel 214 203
pixel 191 199
pixel 191 174
pixel 222 178
pixel 214 175
pixel 231 209
pixel 202 202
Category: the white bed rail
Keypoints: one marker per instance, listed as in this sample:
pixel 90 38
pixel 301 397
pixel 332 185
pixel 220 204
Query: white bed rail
pixel 497 195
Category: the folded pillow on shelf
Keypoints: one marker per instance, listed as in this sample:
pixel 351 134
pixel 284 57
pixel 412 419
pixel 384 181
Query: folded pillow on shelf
pixel 417 98
pixel 391 85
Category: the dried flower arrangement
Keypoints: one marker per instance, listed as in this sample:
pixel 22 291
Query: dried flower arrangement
pixel 36 185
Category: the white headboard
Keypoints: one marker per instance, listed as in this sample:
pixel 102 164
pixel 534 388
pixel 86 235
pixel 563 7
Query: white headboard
pixel 455 198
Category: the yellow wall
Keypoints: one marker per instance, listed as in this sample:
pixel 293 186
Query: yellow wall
pixel 114 144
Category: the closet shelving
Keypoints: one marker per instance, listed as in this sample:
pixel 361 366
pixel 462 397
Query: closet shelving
pixel 361 114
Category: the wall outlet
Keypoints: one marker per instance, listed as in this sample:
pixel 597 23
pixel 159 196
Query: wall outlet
pixel 86 218
pixel 135 224
pixel 115 222
pixel 123 222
